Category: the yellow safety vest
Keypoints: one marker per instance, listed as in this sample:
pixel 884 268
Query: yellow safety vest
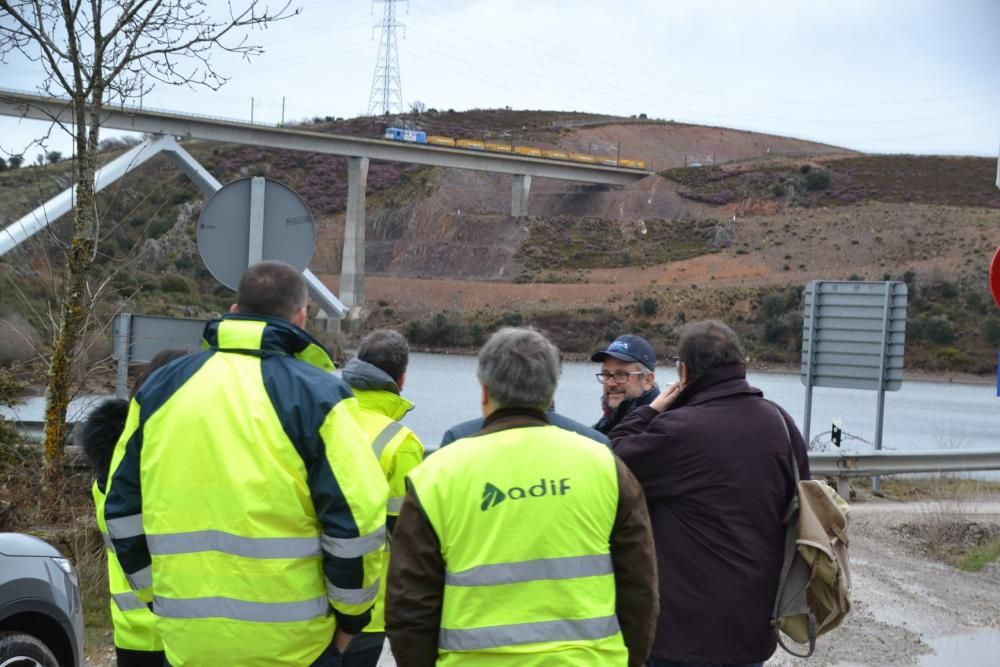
pixel 134 623
pixel 524 518
pixel 261 503
pixel 398 451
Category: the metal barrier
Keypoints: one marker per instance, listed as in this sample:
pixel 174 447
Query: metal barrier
pixel 845 465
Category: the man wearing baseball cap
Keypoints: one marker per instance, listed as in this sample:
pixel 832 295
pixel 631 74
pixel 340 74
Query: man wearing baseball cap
pixel 628 376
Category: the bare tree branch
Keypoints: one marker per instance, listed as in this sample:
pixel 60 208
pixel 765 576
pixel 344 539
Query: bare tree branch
pixel 99 52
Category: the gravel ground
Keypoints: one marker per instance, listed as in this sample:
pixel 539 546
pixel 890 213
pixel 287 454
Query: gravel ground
pixel 904 603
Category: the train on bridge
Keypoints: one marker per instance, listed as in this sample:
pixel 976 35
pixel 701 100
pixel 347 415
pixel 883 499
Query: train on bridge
pixel 420 137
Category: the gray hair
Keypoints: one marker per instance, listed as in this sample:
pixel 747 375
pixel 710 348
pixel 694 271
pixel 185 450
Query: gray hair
pixel 385 349
pixel 519 368
pixel 706 345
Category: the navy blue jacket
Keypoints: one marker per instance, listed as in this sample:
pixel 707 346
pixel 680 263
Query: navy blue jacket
pixel 473 426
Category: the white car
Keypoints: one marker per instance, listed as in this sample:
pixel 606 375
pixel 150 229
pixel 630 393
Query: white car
pixel 41 620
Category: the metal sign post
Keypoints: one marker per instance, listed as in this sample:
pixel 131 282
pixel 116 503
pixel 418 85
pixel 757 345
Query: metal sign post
pixel 121 330
pixel 139 338
pixel 808 358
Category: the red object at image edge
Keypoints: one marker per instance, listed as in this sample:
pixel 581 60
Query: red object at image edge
pixel 995 277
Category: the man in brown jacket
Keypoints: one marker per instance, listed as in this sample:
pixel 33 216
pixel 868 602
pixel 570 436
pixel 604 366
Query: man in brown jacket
pixel 713 459
pixel 524 544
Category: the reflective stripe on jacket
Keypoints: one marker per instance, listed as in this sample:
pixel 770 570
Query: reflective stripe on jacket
pixel 133 622
pixel 524 518
pixel 245 501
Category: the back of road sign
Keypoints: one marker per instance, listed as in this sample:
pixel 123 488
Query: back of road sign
pixel 853 334
pixel 251 220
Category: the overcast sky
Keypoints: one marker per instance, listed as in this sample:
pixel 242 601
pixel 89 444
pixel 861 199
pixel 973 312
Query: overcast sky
pixel 886 76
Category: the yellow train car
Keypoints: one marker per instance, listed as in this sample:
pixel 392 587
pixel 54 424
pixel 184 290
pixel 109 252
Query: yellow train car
pixel 498 148
pixel 471 144
pixel 440 141
pixel 531 151
pixel 583 157
pixel 632 164
pixel 528 150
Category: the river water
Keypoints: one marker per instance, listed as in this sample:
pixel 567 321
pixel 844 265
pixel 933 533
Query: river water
pixel 921 415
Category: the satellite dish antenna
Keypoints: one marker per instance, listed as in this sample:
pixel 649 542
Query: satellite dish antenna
pixel 250 220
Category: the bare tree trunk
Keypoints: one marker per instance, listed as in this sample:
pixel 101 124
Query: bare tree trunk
pixel 88 49
pixel 73 312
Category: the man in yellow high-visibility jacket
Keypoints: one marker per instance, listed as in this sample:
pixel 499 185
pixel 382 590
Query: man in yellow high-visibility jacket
pixel 376 376
pixel 244 500
pixel 524 544
pixel 137 641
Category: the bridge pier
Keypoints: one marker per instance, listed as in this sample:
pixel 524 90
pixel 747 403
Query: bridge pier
pixel 520 188
pixel 352 268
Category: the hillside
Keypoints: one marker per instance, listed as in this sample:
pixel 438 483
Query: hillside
pixel 737 238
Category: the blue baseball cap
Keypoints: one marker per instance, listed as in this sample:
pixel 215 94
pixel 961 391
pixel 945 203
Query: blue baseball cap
pixel 629 348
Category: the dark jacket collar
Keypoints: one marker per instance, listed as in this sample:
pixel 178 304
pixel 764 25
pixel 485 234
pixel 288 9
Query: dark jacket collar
pixel 721 381
pixel 507 418
pixel 608 422
pixel 240 333
pixel 363 375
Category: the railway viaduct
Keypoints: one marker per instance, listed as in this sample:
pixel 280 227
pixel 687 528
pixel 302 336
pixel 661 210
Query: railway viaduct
pixel 165 126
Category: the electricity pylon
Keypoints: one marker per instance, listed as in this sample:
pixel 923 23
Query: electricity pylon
pixel 387 92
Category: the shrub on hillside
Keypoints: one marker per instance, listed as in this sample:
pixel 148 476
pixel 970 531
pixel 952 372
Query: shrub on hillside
pixel 10 392
pixel 953 357
pixel 775 329
pixel 817 180
pixel 511 319
pixel 175 283
pixel 936 329
pixel 773 305
pixel 19 338
pixel 991 330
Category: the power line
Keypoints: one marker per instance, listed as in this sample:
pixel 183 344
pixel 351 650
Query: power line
pixel 521 43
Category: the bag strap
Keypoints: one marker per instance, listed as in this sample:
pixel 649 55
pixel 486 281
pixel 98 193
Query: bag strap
pixel 791 526
pixel 812 639
pixel 791 447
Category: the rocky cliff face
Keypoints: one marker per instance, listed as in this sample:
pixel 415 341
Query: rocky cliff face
pixel 459 225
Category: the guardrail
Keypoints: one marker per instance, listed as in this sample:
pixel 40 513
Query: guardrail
pixel 845 465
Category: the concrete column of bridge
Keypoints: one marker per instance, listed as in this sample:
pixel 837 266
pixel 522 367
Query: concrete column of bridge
pixel 519 195
pixel 352 272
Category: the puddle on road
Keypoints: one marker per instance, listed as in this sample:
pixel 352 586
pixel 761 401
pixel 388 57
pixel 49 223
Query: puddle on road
pixel 979 648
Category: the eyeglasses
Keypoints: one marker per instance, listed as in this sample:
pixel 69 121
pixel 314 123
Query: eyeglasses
pixel 618 377
pixel 677 361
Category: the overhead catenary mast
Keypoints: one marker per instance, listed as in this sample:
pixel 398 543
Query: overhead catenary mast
pixel 387 92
